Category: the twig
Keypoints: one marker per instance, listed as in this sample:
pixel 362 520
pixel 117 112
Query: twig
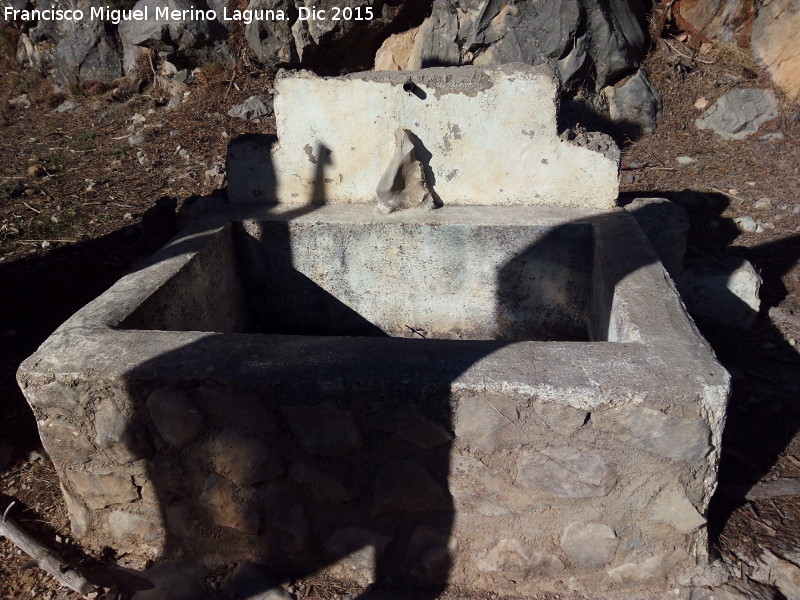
pixel 38 212
pixel 679 53
pixel 44 558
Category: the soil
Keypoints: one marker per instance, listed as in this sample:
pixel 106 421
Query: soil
pixel 78 209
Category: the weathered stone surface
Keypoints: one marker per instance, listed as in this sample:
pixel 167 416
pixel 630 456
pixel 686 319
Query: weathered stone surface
pixel 589 545
pixel 170 35
pixel 722 291
pixel 409 425
pixel 774 570
pixel 244 459
pixel 564 420
pixel 323 124
pixel 79 516
pixel 479 422
pixel 403 184
pixel 727 21
pixel 774 43
pixel 739 113
pixel 672 507
pixel 219 495
pixel 326 489
pixel 566 472
pixel 401 52
pixel 648 571
pixel 122 439
pixel 237 408
pixel 324 429
pixel 65 440
pixel 126 524
pixel 653 431
pixel 295 528
pixel 515 558
pixel 634 104
pixel 255 107
pixel 667 227
pixel 430 551
pixel 476 489
pixel 103 489
pixel 54 394
pixel 175 416
pixel 406 487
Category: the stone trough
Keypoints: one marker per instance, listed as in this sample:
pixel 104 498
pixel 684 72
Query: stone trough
pixel 504 393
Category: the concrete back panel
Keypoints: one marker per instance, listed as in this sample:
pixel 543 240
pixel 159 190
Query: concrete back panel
pixel 485 136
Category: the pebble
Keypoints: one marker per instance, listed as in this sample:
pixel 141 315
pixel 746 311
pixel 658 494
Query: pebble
pixel 127 216
pixel 748 224
pixel 46 245
pixel 762 204
pixel 685 160
pixel 701 103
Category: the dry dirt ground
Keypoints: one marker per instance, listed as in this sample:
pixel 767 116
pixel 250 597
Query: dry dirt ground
pixel 78 210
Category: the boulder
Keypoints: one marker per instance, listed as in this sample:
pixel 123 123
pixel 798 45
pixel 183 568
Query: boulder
pixel 739 113
pixel 591 44
pixel 634 104
pixel 727 21
pixel 774 43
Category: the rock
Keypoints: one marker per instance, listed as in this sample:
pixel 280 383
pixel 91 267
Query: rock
pixel 721 291
pixel 172 581
pixel 701 103
pixel 123 439
pixel 648 571
pixel 514 558
pixel 324 429
pixel 672 437
pixel 564 420
pixel 244 410
pixel 68 105
pixel 566 472
pixel 326 489
pixel 479 423
pixel 100 490
pixel 137 139
pixel 124 524
pixel 219 495
pixel 430 551
pixel 673 508
pixel 216 174
pixel 271 40
pixel 65 442
pixel 409 425
pixel 20 101
pixel 774 570
pixel 175 37
pixel 79 515
pixel 589 545
pixel 685 160
pixel 404 185
pixel 667 227
pixel 739 113
pixel 406 487
pixel 478 490
pixel 175 416
pixel 245 460
pixel 634 104
pixel 748 224
pixel 727 21
pixel 577 36
pixel 255 107
pixel 773 42
pixel 400 52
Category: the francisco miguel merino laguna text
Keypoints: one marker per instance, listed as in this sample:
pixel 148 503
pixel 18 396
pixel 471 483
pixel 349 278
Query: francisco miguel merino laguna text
pixel 162 13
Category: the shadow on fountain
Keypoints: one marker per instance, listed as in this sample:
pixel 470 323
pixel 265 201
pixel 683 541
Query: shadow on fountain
pixel 304 467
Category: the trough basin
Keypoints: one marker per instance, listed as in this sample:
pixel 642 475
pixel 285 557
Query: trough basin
pixel 499 398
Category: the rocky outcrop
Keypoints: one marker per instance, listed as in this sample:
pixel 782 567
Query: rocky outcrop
pixel 774 43
pixel 727 21
pixel 593 45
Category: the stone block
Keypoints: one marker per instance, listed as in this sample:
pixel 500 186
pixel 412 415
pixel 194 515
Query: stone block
pixel 324 429
pixel 244 459
pixel 589 545
pixel 567 472
pixel 673 508
pixel 514 559
pixel 175 416
pixel 123 439
pixel 100 490
pixel 403 486
pixel 228 510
